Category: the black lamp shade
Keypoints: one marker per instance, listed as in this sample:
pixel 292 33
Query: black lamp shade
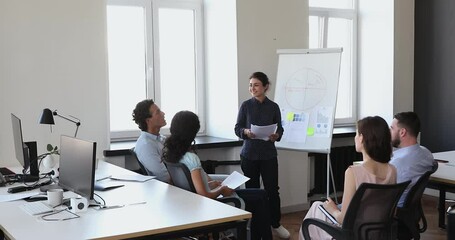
pixel 47 117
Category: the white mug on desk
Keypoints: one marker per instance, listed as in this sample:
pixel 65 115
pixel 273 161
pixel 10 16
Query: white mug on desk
pixel 54 197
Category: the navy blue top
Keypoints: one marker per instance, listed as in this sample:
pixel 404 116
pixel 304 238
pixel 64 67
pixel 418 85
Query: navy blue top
pixel 254 112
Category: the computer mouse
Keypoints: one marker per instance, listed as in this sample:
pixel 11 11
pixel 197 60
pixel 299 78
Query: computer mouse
pixel 35 198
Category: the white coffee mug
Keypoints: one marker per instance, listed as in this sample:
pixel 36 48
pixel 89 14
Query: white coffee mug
pixel 54 197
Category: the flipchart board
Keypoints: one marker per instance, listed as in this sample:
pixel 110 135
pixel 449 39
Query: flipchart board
pixel 306 91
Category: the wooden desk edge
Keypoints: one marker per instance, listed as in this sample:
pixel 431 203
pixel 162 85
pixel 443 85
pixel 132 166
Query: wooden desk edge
pixel 442 180
pixel 183 227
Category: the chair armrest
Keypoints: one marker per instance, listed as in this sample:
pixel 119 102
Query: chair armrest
pixel 333 230
pixel 233 201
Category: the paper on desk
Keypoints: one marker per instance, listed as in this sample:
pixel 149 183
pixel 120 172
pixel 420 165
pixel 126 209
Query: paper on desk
pixel 263 132
pixel 16 196
pixel 132 177
pixel 234 180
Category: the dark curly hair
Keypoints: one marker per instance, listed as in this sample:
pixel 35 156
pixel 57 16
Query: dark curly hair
pixel 184 127
pixel 376 138
pixel 141 113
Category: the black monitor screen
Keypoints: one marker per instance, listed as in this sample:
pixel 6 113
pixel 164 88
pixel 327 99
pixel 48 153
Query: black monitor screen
pixel 77 165
pixel 19 145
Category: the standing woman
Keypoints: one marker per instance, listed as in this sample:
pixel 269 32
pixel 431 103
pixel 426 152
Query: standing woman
pixel 259 157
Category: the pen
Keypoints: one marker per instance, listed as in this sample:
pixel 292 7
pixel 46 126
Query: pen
pixel 103 207
pixel 104 178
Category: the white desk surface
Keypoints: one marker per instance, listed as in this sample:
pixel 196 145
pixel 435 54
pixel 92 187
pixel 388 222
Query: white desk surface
pixel 446 171
pixel 167 209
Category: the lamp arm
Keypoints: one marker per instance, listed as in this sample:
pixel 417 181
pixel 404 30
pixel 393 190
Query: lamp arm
pixel 78 122
pixel 69 119
pixel 77 128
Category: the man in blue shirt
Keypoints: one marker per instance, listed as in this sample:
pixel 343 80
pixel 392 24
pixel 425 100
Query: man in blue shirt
pixel 149 145
pixel 410 159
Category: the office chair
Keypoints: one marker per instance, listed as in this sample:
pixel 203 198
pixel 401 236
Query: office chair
pixel 181 177
pixel 368 216
pixel 411 213
pixel 142 170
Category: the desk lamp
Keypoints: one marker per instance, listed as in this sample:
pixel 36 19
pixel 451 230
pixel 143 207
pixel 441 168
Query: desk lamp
pixel 47 117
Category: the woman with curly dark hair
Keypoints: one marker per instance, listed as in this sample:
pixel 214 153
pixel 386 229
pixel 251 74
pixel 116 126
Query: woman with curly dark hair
pixel 180 147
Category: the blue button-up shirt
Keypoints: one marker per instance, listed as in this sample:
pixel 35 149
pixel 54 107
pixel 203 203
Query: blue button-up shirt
pixel 254 112
pixel 149 148
pixel 411 163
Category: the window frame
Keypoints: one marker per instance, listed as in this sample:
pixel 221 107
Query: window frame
pixel 152 68
pixel 323 15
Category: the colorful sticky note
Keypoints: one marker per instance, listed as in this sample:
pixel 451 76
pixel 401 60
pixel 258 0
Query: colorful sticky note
pixel 290 116
pixel 310 131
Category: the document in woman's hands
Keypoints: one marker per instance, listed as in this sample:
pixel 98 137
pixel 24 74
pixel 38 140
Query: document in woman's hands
pixel 263 132
pixel 234 180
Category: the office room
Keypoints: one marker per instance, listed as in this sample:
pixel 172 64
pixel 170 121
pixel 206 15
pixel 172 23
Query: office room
pixel 54 55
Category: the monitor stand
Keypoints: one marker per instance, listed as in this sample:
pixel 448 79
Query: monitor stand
pixel 26 178
pixel 33 156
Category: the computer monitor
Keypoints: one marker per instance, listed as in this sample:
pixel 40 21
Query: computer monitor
pixel 77 166
pixel 26 152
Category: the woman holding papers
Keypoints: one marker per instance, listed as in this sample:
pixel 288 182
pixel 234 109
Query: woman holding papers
pixel 258 155
pixel 179 147
pixel 374 142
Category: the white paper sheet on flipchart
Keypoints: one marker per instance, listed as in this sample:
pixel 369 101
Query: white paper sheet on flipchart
pixel 234 180
pixel 7 197
pixel 263 132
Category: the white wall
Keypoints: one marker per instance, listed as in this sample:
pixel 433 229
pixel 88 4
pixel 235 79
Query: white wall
pixel 263 27
pixel 53 54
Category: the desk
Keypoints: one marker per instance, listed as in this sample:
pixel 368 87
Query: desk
pixel 443 179
pixel 168 212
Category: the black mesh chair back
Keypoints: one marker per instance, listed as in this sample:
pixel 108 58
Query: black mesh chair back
pixel 369 216
pixel 180 176
pixel 411 213
pixel 371 211
pixel 142 170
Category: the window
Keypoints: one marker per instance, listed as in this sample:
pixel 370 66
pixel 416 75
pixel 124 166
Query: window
pixel 154 51
pixel 333 23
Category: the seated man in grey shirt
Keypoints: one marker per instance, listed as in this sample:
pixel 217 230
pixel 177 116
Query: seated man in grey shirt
pixel 149 145
pixel 410 159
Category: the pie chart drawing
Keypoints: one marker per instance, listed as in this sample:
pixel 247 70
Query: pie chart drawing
pixel 305 89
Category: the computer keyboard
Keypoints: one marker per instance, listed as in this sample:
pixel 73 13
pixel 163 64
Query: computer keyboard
pixel 36 208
